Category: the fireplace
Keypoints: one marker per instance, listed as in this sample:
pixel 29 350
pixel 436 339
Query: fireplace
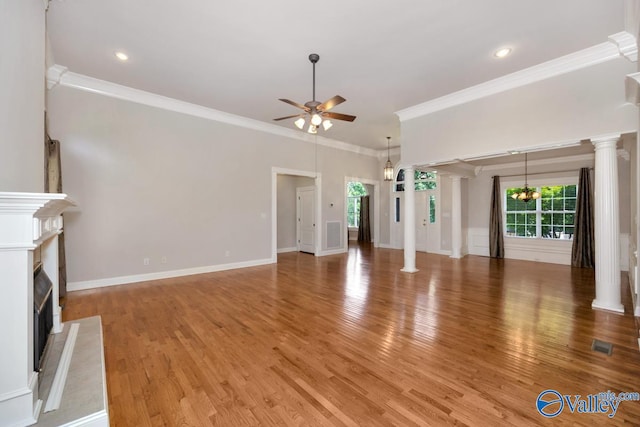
pixel 29 307
pixel 42 314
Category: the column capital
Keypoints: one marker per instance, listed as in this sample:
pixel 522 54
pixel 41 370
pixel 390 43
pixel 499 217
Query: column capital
pixel 455 177
pixel 605 141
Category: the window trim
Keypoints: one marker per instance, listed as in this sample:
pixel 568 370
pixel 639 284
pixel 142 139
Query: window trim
pixel 533 183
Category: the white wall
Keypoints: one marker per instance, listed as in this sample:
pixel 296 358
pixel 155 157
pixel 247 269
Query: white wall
pixel 22 92
pixel 567 108
pixel 287 222
pixel 154 183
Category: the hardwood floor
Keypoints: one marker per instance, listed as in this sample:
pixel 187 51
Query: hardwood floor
pixel 350 340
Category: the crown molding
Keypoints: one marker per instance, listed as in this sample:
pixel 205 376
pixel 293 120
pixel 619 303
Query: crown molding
pixel 54 74
pixel 59 75
pixel 632 88
pixel 541 162
pixel 382 154
pixel 574 61
pixel 626 44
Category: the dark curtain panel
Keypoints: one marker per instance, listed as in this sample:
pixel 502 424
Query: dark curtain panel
pixel 364 229
pixel 582 251
pixel 496 239
pixel 53 184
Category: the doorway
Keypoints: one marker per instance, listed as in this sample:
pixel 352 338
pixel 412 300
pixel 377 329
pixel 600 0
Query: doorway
pixel 284 224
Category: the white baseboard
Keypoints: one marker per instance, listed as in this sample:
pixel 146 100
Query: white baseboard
pixel 386 246
pixel 284 250
pixel 123 280
pixel 333 252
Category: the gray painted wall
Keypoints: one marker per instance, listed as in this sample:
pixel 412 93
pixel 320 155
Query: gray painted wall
pixel 154 183
pixel 22 92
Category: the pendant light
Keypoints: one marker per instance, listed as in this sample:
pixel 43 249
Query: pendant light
pixel 527 193
pixel 388 168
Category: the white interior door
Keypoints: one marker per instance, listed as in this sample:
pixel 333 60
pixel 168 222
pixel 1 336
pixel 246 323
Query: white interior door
pixel 306 230
pixel 427 221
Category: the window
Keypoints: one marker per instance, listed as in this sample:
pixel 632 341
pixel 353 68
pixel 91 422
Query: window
pixel 432 209
pixel 552 216
pixel 397 209
pixel 354 191
pixel 423 180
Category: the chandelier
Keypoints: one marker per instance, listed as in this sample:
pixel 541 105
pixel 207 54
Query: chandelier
pixel 388 168
pixel 527 193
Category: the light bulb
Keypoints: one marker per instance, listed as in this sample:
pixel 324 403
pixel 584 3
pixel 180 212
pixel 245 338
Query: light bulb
pixel 316 119
pixel 313 129
pixel 299 123
pixel 326 125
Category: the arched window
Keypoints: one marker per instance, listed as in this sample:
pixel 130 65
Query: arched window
pixel 423 180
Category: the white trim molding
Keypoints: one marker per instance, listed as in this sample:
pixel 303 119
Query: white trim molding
pixel 574 61
pixel 626 44
pixel 59 75
pixel 123 280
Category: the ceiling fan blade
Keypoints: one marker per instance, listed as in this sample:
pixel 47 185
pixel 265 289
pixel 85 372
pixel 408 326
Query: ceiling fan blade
pixel 329 104
pixel 339 116
pixel 295 104
pixel 288 117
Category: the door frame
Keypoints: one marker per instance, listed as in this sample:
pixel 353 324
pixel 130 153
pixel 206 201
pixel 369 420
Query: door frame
pixel 275 171
pixel 376 208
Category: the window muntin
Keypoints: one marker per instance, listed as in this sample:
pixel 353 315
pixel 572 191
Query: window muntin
pixel 552 216
pixel 423 180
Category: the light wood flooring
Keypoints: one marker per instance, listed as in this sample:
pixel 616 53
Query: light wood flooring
pixel 350 340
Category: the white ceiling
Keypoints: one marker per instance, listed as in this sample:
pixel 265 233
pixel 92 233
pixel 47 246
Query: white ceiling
pixel 241 56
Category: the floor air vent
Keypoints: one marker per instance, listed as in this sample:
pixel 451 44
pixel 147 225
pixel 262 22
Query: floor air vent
pixel 602 347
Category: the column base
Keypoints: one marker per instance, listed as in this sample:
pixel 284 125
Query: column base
pixel 409 270
pixel 615 308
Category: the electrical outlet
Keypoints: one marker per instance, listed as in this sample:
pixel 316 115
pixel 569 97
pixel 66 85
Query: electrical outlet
pixel 146 261
pixel 163 260
pixel 227 253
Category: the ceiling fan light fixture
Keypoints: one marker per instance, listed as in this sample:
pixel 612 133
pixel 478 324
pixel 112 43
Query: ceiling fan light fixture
pixel 313 129
pixel 314 110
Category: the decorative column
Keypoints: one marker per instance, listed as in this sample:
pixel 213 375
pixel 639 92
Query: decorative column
pixel 409 221
pixel 456 217
pixel 607 227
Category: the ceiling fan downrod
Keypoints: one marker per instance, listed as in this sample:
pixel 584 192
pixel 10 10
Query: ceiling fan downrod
pixel 314 57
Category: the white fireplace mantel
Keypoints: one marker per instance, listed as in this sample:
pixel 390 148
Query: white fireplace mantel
pixel 27 221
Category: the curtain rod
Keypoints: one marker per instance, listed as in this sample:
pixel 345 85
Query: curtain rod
pixel 539 173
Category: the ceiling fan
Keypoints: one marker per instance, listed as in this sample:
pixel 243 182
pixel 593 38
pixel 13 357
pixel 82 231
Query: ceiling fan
pixel 318 112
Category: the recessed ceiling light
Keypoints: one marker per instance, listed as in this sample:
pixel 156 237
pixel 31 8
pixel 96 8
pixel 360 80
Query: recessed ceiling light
pixel 514 152
pixel 122 56
pixel 501 53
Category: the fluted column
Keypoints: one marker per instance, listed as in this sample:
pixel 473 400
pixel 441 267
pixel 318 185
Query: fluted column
pixel 409 221
pixel 607 226
pixel 456 217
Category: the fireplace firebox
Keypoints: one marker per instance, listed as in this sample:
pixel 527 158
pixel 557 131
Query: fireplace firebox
pixel 42 314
